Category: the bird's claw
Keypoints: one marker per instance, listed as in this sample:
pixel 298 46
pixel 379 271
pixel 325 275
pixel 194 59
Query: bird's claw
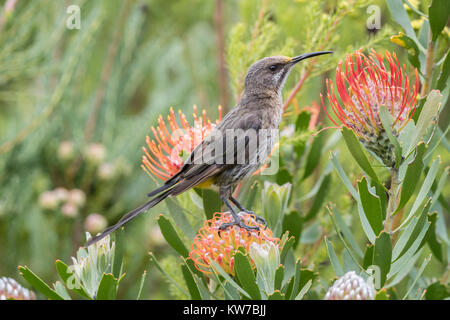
pixel 238 223
pixel 257 218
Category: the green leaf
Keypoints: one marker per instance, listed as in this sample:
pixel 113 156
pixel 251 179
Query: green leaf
pixel 438 13
pixel 288 244
pixel 296 281
pixel 410 45
pixel 334 259
pixel 158 266
pixel 400 271
pixel 178 215
pixel 211 202
pixel 341 173
pixel 218 268
pixel 439 187
pixel 358 154
pixel 412 177
pixel 304 290
pixel 279 276
pixel 246 275
pixel 277 295
pixel 283 176
pixel 349 250
pixel 419 273
pixel 382 255
pixel 302 121
pixel 428 115
pixel 388 121
pixel 305 276
pixel 368 256
pixel 431 238
pixel 382 295
pixel 61 290
pixel 400 16
pixel 341 226
pixel 107 288
pixel 314 155
pixel 410 234
pixel 141 285
pixel 426 186
pixel 372 207
pixel 293 223
pixel 367 228
pixel 190 282
pixel 445 72
pixel 38 284
pixel 69 279
pixel 320 197
pixel 403 262
pixel 171 236
pixel 437 291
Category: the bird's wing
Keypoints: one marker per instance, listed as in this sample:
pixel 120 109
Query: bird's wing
pixel 203 164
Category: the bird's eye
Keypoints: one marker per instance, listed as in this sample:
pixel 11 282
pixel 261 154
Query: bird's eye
pixel 273 67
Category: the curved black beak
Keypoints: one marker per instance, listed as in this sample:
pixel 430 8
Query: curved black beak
pixel 308 55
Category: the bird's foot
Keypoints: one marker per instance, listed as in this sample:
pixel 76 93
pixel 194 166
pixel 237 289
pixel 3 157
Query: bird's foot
pixel 258 219
pixel 238 222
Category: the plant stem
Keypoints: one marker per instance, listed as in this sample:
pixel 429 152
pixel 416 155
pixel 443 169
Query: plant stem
pixel 429 64
pixel 392 204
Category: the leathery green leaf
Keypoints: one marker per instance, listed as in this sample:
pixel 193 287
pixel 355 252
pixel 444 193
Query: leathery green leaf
pixel 38 284
pixel 412 177
pixel 171 236
pixel 334 259
pixel 356 150
pixel 382 255
pixel 372 206
pixel 246 275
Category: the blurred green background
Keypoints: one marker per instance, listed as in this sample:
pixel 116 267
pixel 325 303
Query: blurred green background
pixel 76 106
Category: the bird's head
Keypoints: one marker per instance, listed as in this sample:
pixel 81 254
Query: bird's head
pixel 269 74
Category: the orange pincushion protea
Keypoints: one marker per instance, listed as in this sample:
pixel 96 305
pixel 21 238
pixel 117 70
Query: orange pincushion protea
pixel 366 85
pixel 164 156
pixel 210 245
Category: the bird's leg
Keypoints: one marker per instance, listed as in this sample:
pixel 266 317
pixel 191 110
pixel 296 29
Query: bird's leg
pixel 241 207
pixel 237 220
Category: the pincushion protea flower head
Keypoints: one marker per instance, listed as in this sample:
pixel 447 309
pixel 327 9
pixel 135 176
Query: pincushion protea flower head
pixel 164 156
pixel 350 287
pixel 209 244
pixel 366 84
pixel 10 289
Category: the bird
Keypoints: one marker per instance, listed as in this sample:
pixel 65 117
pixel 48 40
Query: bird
pixel 230 152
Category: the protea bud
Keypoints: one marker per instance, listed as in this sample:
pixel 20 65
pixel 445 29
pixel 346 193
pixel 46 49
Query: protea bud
pixel 350 287
pixel 266 257
pixel 366 85
pixel 10 289
pixel 91 263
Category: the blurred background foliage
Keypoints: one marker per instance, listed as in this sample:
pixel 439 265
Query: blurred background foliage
pixel 76 105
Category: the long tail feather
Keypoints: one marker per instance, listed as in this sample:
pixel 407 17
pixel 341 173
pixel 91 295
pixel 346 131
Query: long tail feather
pixel 127 217
pixel 164 187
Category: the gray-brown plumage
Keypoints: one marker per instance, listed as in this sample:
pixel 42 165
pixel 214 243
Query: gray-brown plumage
pixel 230 152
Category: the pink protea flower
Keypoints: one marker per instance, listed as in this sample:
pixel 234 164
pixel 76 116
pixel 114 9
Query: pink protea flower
pixel 209 244
pixel 366 84
pixel 350 287
pixel 10 289
pixel 164 156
